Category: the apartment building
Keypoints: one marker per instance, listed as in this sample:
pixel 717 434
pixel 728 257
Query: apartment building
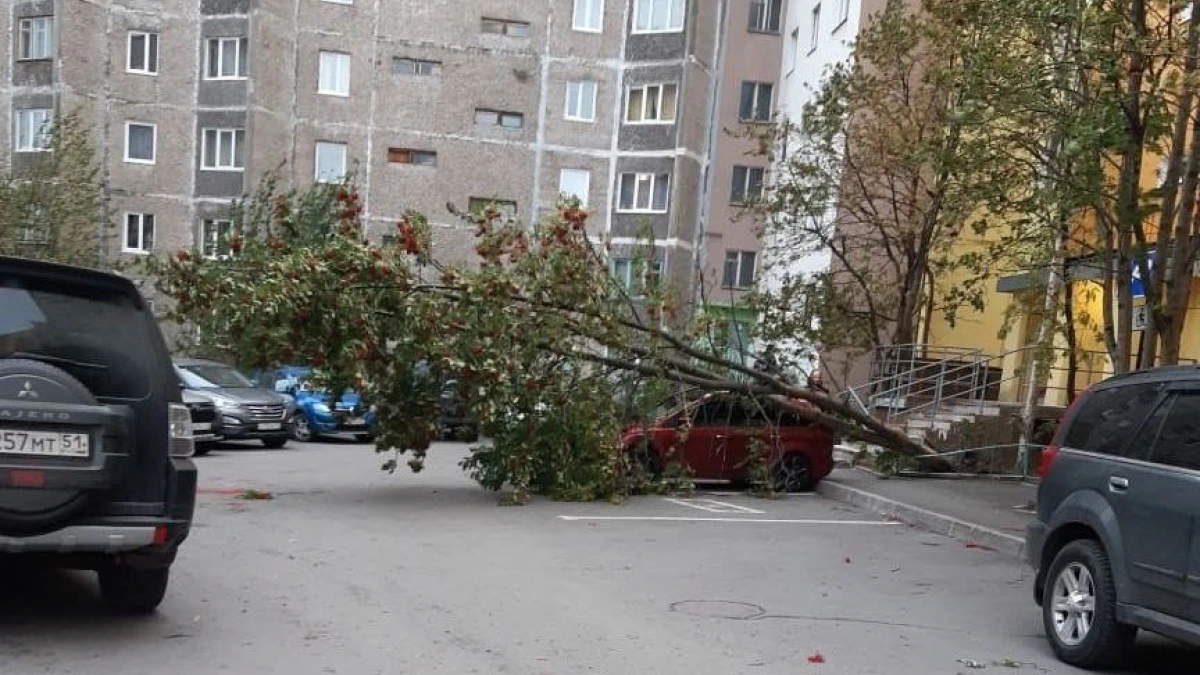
pixel 746 101
pixel 427 103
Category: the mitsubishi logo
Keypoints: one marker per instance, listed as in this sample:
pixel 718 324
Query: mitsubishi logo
pixel 27 391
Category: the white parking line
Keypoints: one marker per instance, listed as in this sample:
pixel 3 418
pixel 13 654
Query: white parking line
pixel 765 521
pixel 713 506
pixel 732 493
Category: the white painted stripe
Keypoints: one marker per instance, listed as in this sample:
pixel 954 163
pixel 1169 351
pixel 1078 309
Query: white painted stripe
pixel 712 506
pixel 686 519
pixel 735 507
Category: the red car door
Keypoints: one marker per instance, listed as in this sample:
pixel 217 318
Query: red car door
pixel 704 444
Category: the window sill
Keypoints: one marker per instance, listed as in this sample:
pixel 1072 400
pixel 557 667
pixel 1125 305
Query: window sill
pixel 222 169
pixel 35 59
pixel 335 94
pixel 593 31
pixel 141 72
pixel 143 162
pixel 136 251
pixel 763 31
pixel 581 120
pixel 666 31
pixel 735 288
pixel 652 123
pixel 754 120
pixel 643 212
pixel 240 78
pixel 30 151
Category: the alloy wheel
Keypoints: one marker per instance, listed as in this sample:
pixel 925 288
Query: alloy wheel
pixel 1073 604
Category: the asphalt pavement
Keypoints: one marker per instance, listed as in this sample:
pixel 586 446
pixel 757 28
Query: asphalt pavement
pixel 348 570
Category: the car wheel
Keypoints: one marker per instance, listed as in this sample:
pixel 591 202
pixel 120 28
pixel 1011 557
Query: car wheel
pixel 203 449
pixel 1079 609
pixel 274 442
pixel 364 438
pixel 792 473
pixel 301 431
pixel 133 591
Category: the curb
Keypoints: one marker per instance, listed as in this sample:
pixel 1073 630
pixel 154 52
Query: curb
pixel 938 523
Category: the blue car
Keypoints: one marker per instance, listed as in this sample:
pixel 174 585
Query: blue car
pixel 318 413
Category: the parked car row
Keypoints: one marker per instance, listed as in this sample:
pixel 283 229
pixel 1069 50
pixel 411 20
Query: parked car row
pixel 275 405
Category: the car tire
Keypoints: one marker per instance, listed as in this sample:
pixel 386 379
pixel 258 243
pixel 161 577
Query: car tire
pixel 274 442
pixel 301 431
pixel 792 473
pixel 1098 642
pixel 203 449
pixel 128 590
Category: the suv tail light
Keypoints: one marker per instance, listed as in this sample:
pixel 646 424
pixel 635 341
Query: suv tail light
pixel 1049 454
pixel 181 441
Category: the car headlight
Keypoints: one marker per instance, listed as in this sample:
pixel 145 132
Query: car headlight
pixel 225 404
pixel 321 409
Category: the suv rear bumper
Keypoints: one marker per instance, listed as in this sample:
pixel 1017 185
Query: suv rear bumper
pixel 82 539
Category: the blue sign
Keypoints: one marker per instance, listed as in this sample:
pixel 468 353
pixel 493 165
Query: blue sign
pixel 1136 288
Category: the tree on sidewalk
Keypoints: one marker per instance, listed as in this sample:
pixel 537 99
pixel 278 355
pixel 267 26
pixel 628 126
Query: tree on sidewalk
pixel 536 330
pixel 887 172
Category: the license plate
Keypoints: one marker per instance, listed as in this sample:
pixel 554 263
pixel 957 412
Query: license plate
pixel 202 426
pixel 44 443
pixel 270 426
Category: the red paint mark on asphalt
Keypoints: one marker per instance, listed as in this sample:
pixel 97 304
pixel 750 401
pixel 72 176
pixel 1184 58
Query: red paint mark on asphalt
pixel 816 658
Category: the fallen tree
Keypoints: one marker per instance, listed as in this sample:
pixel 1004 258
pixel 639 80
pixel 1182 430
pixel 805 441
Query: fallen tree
pixel 536 328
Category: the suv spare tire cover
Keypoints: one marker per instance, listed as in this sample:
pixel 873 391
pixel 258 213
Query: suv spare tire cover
pixel 24 511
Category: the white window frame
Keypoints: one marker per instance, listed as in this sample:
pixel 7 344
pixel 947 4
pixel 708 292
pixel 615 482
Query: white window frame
pixel 651 269
pixel 814 38
pixel 317 161
pixel 153 142
pixel 591 9
pixel 230 132
pixel 141 248
pixel 42 132
pixel 747 184
pixel 507 26
pixel 217 224
pixel 146 51
pixel 737 273
pixel 587 184
pixel 638 177
pixel 421 67
pixel 754 101
pixel 844 13
pixel 339 2
pixel 580 88
pixel 671 27
pixel 766 15
pixel 662 90
pixel 25 33
pixel 239 61
pixel 332 84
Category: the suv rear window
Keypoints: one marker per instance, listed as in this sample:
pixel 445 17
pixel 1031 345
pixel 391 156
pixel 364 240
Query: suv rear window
pixel 1109 417
pixel 98 335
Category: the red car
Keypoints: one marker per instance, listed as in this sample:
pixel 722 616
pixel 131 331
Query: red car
pixel 713 439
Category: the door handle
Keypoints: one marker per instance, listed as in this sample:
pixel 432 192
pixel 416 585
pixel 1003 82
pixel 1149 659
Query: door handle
pixel 1118 484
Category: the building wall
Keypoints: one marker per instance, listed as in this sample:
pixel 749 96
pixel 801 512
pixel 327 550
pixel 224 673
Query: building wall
pixel 283 115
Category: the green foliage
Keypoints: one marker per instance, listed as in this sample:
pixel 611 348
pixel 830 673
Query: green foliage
pixel 51 203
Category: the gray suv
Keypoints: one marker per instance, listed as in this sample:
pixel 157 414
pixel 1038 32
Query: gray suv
pixel 1116 541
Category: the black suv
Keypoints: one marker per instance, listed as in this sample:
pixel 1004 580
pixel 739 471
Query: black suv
pixel 94 439
pixel 1116 541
